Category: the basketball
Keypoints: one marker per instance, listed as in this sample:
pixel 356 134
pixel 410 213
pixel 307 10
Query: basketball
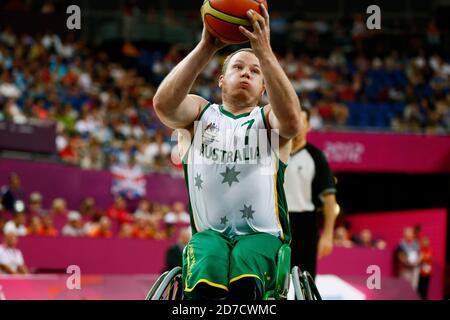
pixel 223 18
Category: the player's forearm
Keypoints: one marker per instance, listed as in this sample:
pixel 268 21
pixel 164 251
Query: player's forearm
pixel 282 96
pixel 178 83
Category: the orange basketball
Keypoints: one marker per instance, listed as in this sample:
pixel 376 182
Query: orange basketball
pixel 223 18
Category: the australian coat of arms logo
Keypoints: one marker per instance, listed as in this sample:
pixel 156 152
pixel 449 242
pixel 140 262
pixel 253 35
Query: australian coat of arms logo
pixel 210 134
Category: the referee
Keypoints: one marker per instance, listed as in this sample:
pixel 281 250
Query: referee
pixel 310 189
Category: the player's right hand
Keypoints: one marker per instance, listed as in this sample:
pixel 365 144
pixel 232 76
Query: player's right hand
pixel 211 40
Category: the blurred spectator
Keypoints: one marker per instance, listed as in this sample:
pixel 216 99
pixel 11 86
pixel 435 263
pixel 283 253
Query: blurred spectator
pixel 342 237
pixel 11 193
pixel 94 221
pixel 141 228
pixel 178 215
pixel 93 158
pixel 87 208
pixel 13 113
pixel 74 227
pixel 103 229
pixel 144 209
pixel 8 88
pixel 365 239
pixel 158 150
pixel 35 228
pixel 35 205
pixel 408 255
pixel 426 267
pixel 69 154
pixel 17 225
pixel 47 227
pixel 174 255
pixel 126 230
pixel 118 211
pixel 59 208
pixel 11 258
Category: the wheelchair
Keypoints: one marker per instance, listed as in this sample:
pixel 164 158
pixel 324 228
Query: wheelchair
pixel 169 285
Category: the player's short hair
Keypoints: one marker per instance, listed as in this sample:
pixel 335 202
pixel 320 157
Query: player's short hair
pixel 228 58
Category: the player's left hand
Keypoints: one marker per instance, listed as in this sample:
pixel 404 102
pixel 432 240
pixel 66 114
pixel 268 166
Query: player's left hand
pixel 260 37
pixel 325 246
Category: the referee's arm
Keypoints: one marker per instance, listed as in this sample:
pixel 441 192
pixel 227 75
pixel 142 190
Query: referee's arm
pixel 325 186
pixel 329 212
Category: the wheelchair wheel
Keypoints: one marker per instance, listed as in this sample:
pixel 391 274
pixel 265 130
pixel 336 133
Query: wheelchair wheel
pixel 315 295
pixel 304 285
pixel 297 284
pixel 155 286
pixel 168 286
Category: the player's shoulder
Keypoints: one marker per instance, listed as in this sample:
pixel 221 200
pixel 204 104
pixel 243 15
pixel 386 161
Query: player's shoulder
pixel 207 106
pixel 198 102
pixel 266 109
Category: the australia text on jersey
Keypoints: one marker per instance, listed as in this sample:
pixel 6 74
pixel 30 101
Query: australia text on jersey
pixel 254 147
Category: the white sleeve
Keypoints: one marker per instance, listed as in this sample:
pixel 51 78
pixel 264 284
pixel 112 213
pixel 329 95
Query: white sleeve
pixel 20 260
pixel 2 258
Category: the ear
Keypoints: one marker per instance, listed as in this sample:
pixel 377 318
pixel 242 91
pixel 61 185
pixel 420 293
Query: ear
pixel 221 81
pixel 263 90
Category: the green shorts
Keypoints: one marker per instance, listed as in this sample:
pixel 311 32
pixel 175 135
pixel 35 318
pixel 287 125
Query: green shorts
pixel 217 260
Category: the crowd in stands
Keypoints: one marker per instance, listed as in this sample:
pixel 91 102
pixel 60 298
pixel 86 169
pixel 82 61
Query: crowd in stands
pixel 102 110
pixel 344 237
pixel 104 115
pixel 413 259
pixel 28 217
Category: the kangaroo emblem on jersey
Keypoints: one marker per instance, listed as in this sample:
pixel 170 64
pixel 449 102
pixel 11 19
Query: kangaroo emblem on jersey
pixel 211 133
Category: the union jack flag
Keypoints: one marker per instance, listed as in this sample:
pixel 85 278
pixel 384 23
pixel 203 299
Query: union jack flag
pixel 128 181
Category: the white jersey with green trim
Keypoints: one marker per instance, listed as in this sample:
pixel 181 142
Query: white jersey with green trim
pixel 231 173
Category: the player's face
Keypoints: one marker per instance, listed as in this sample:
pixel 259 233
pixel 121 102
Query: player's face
pixel 243 78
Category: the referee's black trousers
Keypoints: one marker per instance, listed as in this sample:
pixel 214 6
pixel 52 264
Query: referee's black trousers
pixel 305 237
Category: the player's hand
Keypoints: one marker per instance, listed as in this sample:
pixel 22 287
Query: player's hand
pixel 325 246
pixel 260 37
pixel 210 41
